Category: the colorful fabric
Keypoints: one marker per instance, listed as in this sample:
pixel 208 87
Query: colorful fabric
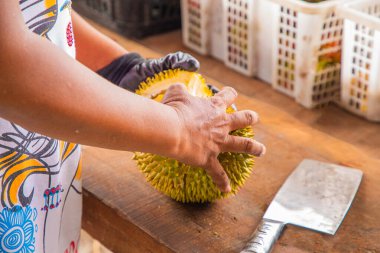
pixel 40 201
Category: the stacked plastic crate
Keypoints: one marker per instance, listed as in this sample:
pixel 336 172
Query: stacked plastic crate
pixel 202 27
pixel 307 51
pixel 361 58
pixel 223 29
pixel 296 46
pixel 239 35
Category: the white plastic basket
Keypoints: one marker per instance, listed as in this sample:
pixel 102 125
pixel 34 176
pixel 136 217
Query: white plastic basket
pixel 216 30
pixel 306 50
pixel 264 34
pixel 361 58
pixel 202 26
pixel 234 31
pixel 194 20
pixel 239 30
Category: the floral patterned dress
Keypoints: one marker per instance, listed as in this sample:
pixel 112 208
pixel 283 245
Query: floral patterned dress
pixel 41 201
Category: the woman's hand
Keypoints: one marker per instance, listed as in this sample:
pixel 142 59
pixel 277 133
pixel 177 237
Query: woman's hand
pixel 205 131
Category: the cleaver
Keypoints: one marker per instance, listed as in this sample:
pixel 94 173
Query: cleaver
pixel 316 196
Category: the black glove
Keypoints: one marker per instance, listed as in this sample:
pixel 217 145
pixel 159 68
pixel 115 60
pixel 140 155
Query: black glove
pixel 129 70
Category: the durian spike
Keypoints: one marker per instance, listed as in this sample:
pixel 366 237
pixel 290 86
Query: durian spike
pixel 179 181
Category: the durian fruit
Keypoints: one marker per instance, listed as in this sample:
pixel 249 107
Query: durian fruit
pixel 180 181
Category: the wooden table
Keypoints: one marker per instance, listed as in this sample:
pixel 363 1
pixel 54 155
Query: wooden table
pixel 127 215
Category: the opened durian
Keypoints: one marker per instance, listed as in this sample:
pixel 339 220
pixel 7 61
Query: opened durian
pixel 179 181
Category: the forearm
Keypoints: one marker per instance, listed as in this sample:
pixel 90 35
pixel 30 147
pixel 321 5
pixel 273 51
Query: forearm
pixel 65 100
pixel 94 49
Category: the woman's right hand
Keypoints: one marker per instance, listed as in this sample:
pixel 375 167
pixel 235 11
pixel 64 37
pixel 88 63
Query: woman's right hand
pixel 205 128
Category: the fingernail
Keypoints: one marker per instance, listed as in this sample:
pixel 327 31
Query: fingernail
pixel 254 118
pixel 234 91
pixel 257 117
pixel 227 189
pixel 263 151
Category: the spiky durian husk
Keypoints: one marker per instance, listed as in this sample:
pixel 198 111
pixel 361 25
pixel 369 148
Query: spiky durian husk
pixel 155 87
pixel 180 181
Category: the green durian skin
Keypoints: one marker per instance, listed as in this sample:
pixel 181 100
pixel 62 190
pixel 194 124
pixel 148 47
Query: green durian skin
pixel 177 180
pixel 188 184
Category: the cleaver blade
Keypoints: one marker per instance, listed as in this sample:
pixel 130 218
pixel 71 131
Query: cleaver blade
pixel 315 196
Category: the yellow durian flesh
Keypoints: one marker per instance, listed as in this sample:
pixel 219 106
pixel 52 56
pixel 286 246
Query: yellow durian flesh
pixel 180 181
pixel 155 87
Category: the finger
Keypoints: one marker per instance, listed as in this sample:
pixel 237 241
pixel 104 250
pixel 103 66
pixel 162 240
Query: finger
pixel 215 90
pixel 227 95
pixel 218 175
pixel 174 92
pixel 242 119
pixel 239 144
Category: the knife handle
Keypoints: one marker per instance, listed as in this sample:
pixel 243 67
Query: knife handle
pixel 264 237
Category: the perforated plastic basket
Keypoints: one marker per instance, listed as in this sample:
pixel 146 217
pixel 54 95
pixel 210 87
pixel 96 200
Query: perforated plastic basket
pixel 234 31
pixel 239 25
pixel 216 31
pixel 306 50
pixel 361 58
pixel 264 34
pixel 194 28
pixel 202 26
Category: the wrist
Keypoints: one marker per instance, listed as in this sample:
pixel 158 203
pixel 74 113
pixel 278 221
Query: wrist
pixel 177 138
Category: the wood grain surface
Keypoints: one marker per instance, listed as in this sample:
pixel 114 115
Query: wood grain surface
pixel 127 215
